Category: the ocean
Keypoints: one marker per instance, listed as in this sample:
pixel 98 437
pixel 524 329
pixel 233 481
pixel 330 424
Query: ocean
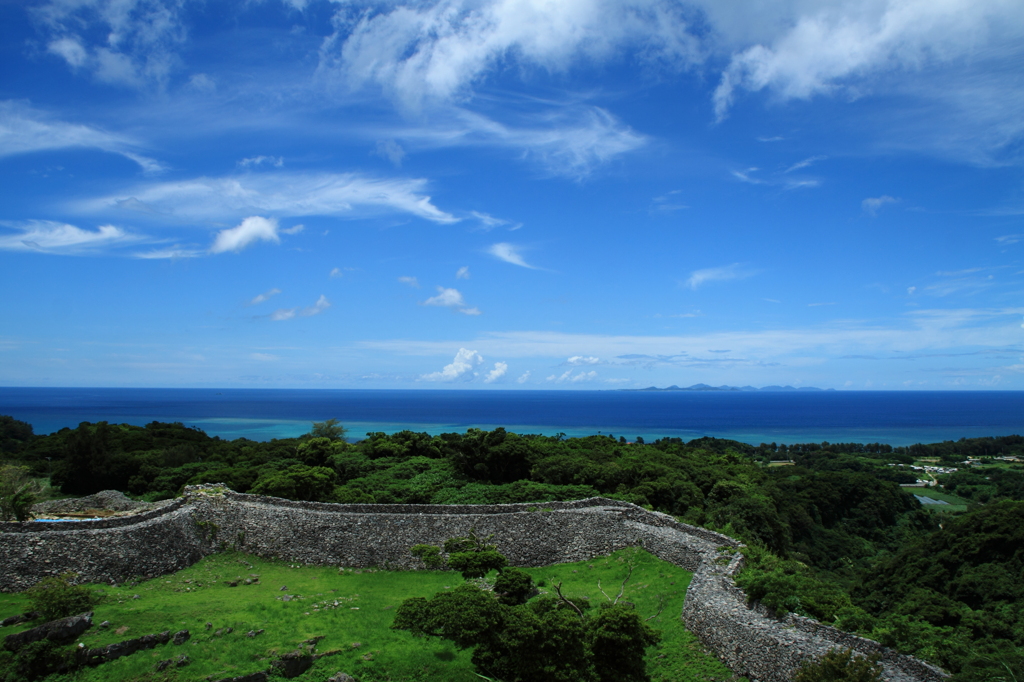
pixel 893 417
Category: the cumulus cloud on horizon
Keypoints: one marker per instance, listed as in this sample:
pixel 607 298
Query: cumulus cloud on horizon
pixel 500 368
pixel 461 367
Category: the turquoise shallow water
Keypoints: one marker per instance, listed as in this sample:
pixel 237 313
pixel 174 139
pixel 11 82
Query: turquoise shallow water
pixel 896 418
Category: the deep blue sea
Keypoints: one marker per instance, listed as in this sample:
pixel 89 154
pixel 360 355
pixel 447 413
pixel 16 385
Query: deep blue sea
pixel 897 418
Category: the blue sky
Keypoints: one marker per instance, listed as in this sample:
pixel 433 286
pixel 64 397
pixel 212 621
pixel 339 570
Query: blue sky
pixel 512 193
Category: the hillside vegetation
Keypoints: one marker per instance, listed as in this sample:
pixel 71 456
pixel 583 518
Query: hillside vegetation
pixel 831 534
pixel 353 610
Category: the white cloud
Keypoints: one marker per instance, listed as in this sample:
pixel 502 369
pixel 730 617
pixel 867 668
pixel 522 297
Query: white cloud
pixel 500 368
pixel 294 229
pixel 526 375
pixel 451 298
pixel 446 297
pixel 720 274
pixel 24 130
pixel 390 150
pixel 201 83
pixel 122 42
pixel 809 161
pixel 335 273
pixel 249 231
pixel 509 253
pixel 266 295
pixel 871 205
pixel 282 194
pixel 917 331
pixel 460 368
pixel 489 222
pixel 829 47
pixel 251 161
pixel 462 273
pixel 570 140
pixel 263 357
pixel 411 281
pixel 1008 239
pixel 581 360
pixel 436 51
pixel 568 376
pixel 47 236
pixel 282 314
pixel 171 253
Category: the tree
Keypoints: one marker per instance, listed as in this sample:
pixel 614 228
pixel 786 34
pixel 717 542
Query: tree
pixel 298 482
pixel 329 429
pixel 17 493
pixel 839 666
pixel 516 638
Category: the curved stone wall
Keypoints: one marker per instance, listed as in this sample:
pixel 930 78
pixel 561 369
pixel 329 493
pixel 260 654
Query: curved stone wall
pixel 747 639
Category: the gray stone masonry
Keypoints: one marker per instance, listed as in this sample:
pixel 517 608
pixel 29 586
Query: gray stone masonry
pixel 208 518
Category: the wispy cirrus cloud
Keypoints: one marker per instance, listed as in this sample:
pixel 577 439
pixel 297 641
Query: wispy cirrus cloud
pixel 24 130
pixel 265 296
pixel 725 273
pixel 570 140
pixel 47 236
pixel 922 330
pixel 510 253
pixel 280 194
pixel 282 314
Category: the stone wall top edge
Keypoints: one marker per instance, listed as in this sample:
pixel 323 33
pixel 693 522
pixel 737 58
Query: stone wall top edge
pixel 102 524
pixel 432 509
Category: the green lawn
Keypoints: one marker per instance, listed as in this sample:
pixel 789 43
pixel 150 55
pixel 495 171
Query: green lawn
pixel 353 610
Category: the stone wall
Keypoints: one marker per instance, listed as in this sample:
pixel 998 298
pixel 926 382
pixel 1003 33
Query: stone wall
pixel 747 639
pixel 108 551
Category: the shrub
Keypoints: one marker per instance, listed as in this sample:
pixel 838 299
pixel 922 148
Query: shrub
pixel 58 597
pixel 840 666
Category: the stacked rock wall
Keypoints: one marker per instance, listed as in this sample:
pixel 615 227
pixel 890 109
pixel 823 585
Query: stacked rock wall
pixel 746 638
pixel 112 550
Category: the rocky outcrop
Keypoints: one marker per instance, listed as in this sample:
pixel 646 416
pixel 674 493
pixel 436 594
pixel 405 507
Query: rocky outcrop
pixel 62 631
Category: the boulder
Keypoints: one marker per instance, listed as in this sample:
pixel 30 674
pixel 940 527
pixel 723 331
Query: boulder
pixel 60 631
pixel 293 663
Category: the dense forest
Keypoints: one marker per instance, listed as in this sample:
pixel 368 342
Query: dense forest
pixel 830 534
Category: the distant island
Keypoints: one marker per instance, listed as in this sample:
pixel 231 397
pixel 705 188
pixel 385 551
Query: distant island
pixel 705 387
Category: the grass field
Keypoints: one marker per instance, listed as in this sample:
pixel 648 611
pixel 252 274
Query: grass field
pixel 353 610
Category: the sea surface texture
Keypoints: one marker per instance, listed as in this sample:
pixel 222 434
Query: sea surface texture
pixel 896 418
